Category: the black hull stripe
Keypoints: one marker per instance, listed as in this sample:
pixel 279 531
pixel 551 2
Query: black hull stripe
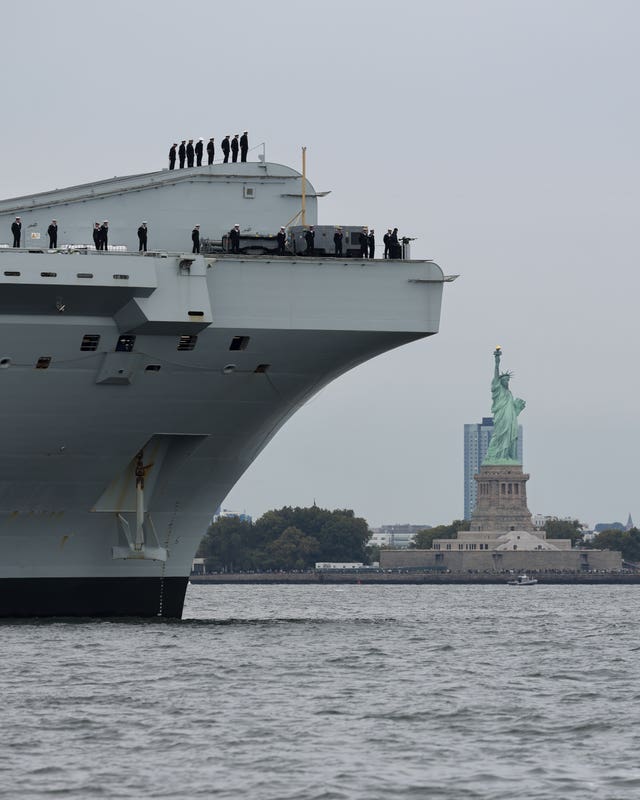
pixel 92 597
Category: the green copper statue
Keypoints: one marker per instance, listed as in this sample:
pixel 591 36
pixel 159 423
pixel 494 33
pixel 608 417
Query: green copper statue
pixel 503 447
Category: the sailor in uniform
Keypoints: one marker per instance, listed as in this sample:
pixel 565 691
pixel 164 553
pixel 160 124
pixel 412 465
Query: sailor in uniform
pixel 172 156
pixel 234 238
pixel 387 239
pixel 16 230
pixel 234 148
pixel 210 151
pixel 104 235
pixel 52 230
pixel 195 238
pixel 282 238
pixel 244 146
pixel 190 153
pixel 371 241
pixel 199 149
pixel 226 147
pixel 394 246
pixel 337 241
pixel 182 153
pixel 142 237
pixel 309 237
pixel 364 243
pixel 96 235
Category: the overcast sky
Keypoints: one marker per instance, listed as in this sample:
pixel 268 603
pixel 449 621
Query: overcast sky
pixel 503 135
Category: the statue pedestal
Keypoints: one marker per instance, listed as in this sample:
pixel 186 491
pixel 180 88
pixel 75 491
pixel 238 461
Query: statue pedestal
pixel 502 499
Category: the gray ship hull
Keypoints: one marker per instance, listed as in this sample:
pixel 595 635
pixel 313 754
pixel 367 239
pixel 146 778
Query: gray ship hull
pixel 136 390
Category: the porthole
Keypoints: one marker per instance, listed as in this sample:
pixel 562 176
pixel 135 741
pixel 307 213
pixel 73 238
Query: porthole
pixel 5 362
pixel 227 370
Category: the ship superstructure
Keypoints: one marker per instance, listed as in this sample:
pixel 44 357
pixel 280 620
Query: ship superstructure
pixel 136 389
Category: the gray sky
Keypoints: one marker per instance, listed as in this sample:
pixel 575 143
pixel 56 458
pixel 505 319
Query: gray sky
pixel 503 135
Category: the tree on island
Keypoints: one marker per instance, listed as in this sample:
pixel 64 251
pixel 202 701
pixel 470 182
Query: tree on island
pixel 564 529
pixel 287 538
pixel 627 542
pixel 423 540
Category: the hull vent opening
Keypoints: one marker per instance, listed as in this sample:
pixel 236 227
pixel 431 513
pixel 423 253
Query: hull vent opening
pixel 125 343
pixel 187 342
pixel 90 342
pixel 121 277
pixel 262 368
pixel 84 275
pixel 48 274
pixel 152 368
pixel 43 362
pixel 11 273
pixel 239 343
pixel 196 313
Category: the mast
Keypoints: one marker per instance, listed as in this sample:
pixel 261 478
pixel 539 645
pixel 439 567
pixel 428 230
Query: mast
pixel 304 186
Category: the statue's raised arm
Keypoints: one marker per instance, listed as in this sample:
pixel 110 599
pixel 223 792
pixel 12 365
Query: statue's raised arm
pixel 503 447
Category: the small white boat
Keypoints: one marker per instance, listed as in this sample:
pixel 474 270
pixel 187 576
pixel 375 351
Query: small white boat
pixel 523 580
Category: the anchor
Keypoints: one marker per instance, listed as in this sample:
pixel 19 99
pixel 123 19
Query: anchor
pixel 138 546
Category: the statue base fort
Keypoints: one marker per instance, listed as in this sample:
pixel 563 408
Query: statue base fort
pixel 501 499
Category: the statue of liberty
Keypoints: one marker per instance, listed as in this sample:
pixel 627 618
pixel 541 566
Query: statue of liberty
pixel 503 447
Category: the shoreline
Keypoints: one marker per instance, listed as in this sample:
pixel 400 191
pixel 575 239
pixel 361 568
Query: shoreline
pixel 386 578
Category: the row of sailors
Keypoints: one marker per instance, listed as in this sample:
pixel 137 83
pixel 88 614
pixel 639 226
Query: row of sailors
pixel 190 153
pixel 366 240
pixel 100 235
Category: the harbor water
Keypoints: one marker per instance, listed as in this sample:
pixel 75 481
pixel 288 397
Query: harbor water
pixel 331 693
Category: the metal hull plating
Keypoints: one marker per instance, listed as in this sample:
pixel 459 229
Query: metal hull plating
pixel 218 353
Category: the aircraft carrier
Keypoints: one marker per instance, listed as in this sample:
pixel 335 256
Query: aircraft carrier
pixel 137 388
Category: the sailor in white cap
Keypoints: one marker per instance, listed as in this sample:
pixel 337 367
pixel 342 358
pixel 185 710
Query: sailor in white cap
pixel 172 155
pixel 226 146
pixel 281 238
pixel 244 146
pixel 310 238
pixel 387 240
pixel 52 230
pixel 190 153
pixel 364 243
pixel 143 232
pixel 195 238
pixel 210 150
pixel 371 241
pixel 234 238
pixel 199 149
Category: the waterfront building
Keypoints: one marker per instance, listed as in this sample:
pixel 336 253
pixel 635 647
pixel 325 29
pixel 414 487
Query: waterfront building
pixel 225 512
pixel 476 443
pixel 397 537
